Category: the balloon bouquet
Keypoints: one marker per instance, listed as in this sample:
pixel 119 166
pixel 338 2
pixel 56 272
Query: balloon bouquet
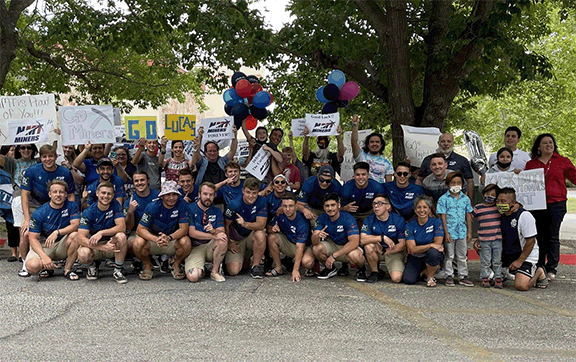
pixel 337 93
pixel 246 100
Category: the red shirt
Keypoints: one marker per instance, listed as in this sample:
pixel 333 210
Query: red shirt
pixel 292 172
pixel 556 171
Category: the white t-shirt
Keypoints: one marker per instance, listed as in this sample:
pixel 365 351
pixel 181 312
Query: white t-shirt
pixel 527 228
pixel 379 166
pixel 519 159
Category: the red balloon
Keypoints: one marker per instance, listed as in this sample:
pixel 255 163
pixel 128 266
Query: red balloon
pixel 251 122
pixel 271 98
pixel 250 98
pixel 256 87
pixel 243 88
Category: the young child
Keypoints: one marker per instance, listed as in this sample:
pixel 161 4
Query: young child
pixel 455 210
pixel 489 241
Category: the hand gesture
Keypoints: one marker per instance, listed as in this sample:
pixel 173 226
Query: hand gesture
pixel 322 234
pixel 163 142
pixel 196 143
pixel 142 142
pixel 276 228
pixel 57 131
pixel 201 131
pixel 51 239
pixel 351 207
pixel 291 137
pixel 88 146
pixel 233 247
pixel 305 131
pixel 132 205
pixel 94 239
pixel 240 221
pixel 339 130
pixel 252 142
pixel 47 263
pixel 208 228
pixel 355 120
pixel 114 162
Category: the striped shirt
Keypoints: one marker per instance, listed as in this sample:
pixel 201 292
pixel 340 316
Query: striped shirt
pixel 489 222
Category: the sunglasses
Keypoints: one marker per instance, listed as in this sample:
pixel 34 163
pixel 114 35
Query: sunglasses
pixel 280 182
pixel 402 174
pixel 26 148
pixel 380 203
pixel 205 219
pixel 324 180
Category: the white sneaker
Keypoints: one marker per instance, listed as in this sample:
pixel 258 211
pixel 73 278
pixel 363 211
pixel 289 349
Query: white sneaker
pixel 491 276
pixel 508 275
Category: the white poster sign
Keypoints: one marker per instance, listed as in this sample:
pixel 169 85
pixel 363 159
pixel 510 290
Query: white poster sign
pixel 28 131
pixel 243 150
pixel 259 165
pixel 347 166
pixel 80 124
pixel 298 125
pixel 117 118
pixel 219 128
pixel 529 185
pixel 27 107
pixel 322 124
pixel 420 142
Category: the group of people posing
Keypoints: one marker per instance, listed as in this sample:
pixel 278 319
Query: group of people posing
pixel 99 203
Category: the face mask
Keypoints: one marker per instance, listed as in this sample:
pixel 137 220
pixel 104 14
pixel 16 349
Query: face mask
pixel 489 199
pixel 455 189
pixel 503 208
pixel 504 165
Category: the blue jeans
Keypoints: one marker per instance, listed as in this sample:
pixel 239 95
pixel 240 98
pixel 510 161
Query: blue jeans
pixel 548 226
pixel 490 257
pixel 416 265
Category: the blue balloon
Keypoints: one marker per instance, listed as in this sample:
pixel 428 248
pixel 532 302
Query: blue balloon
pixel 337 77
pixel 261 100
pixel 228 109
pixel 232 98
pixel 331 92
pixel 240 112
pixel 329 108
pixel 320 95
pixel 258 113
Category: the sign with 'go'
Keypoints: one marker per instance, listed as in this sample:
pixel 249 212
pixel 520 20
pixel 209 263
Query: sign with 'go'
pixel 140 126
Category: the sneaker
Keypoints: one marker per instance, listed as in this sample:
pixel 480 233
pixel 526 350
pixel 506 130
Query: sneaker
pixel 328 273
pixel 119 277
pixel 257 272
pixel 165 267
pixel 508 275
pixel 361 275
pixel 491 276
pixel 24 273
pixel 485 283
pixel 465 281
pixel 343 271
pixel 92 273
pixel 498 283
pixel 372 278
pixel 381 274
pixel 551 276
pixel 217 277
pixel 449 282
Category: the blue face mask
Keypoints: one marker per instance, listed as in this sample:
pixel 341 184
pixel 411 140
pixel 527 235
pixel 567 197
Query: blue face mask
pixel 489 199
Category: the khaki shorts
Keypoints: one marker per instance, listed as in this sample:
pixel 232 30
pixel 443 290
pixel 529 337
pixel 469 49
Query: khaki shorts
pixel 244 244
pixel 394 262
pixel 199 255
pixel 286 247
pixel 315 212
pixel 170 249
pixel 361 216
pixel 331 247
pixel 58 252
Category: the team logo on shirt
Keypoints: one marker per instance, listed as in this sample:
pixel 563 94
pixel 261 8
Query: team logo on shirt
pixel 430 229
pixel 33 224
pixel 451 163
pixel 391 228
pixel 174 213
pixel 340 229
pixel 229 212
pixel 293 229
pixel 65 213
pixel 146 217
pixel 369 195
pixel 409 196
pixel 212 218
pixel 513 223
pixel 253 210
pixel 61 178
pixel 109 214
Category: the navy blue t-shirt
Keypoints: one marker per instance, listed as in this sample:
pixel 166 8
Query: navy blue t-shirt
pixel 158 219
pixel 45 219
pixel 36 180
pixel 199 221
pixel 91 175
pixel 455 162
pixel 340 229
pixel 95 220
pixel 296 230
pixel 229 192
pixel 424 234
pixel 402 199
pixel 192 195
pixel 116 181
pixel 313 195
pixel 363 197
pixel 273 203
pixel 394 227
pixel 142 203
pixel 248 212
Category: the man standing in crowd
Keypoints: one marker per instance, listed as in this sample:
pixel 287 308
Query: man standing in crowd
pixel 101 234
pixel 149 161
pixel 519 158
pixel 435 183
pixel 520 250
pixel 105 170
pixel 454 162
pixel 211 166
pixel 231 187
pixel 381 169
pixel 322 156
pixel 402 192
pixel 358 193
pixel 288 233
pixel 209 240
pixel 274 199
pixel 163 229
pixel 53 228
pixel 244 221
pixel 336 238
pixel 382 236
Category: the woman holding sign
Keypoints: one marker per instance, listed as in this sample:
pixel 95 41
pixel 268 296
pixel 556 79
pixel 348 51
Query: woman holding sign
pixel 556 170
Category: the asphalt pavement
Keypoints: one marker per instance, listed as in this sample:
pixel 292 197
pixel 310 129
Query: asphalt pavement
pixel 275 319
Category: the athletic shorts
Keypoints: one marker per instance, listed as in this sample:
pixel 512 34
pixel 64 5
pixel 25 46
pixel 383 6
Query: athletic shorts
pixel 527 268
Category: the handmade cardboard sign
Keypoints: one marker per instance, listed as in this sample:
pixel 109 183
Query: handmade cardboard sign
pixel 140 126
pixel 420 142
pixel 529 185
pixel 259 164
pixel 180 127
pixel 27 107
pixel 80 124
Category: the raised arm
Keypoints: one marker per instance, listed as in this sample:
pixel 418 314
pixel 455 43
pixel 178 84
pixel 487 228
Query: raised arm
pixel 305 148
pixel 79 160
pixel 234 145
pixel 341 148
pixel 138 154
pixel 354 138
pixel 196 156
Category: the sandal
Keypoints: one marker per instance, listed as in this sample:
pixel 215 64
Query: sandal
pixel 70 275
pixel 431 283
pixel 309 273
pixel 46 273
pixel 177 273
pixel 274 273
pixel 146 274
pixel 11 259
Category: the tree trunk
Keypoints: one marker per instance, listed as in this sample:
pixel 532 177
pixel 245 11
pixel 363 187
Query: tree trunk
pixel 400 103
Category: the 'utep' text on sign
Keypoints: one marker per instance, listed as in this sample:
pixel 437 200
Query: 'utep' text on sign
pixel 142 126
pixel 180 127
pixel 80 124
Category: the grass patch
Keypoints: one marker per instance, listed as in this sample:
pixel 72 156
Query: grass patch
pixel 571 205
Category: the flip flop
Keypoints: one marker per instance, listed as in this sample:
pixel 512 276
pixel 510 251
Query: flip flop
pixel 146 274
pixel 70 275
pixel 431 283
pixel 274 273
pixel 177 273
pixel 46 273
